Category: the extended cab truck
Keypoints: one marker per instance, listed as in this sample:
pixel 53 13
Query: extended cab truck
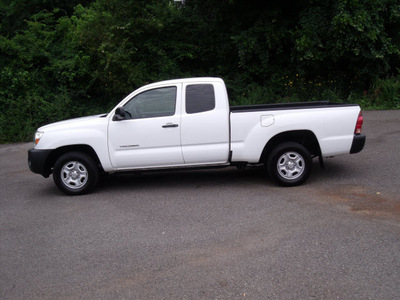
pixel 188 123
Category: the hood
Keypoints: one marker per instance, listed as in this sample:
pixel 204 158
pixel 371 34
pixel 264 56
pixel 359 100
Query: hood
pixel 71 122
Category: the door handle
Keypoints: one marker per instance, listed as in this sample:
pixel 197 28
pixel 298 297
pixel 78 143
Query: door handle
pixel 169 125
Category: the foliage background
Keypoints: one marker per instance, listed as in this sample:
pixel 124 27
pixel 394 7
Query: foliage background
pixel 61 59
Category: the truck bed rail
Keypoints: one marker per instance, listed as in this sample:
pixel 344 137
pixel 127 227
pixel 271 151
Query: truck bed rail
pixel 287 106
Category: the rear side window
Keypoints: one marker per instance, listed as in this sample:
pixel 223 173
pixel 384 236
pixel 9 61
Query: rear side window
pixel 199 98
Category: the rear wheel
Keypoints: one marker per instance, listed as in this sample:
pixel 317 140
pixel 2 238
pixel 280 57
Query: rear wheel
pixel 75 173
pixel 289 164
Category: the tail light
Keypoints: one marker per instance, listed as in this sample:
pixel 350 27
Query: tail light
pixel 359 124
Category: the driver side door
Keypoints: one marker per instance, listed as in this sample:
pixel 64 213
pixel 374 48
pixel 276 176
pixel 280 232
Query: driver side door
pixel 149 136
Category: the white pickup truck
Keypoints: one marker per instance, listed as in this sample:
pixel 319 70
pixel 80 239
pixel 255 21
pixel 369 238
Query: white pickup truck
pixel 188 123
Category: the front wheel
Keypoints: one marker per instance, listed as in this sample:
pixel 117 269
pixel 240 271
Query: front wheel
pixel 75 173
pixel 289 164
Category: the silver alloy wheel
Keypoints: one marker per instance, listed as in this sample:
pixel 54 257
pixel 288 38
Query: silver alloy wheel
pixel 74 175
pixel 291 165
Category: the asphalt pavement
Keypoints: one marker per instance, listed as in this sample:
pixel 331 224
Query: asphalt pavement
pixel 209 234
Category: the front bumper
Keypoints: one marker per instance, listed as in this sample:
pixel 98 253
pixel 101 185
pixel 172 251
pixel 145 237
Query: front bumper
pixel 358 143
pixel 38 161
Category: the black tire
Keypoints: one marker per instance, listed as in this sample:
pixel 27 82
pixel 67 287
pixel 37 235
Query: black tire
pixel 289 164
pixel 75 173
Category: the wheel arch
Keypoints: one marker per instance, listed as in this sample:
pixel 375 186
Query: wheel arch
pixel 304 137
pixel 56 153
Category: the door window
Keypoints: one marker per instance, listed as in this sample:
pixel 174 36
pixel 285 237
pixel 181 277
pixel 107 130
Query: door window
pixel 199 98
pixel 152 104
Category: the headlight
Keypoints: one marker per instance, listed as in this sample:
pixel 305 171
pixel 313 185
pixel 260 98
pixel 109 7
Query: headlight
pixel 38 135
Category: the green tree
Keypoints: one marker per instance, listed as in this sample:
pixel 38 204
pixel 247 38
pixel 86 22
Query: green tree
pixel 60 59
pixel 14 14
pixel 348 40
pixel 39 76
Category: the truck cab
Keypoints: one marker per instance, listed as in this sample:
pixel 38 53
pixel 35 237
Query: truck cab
pixel 171 124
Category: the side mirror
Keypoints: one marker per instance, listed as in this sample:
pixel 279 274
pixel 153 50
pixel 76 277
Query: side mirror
pixel 119 114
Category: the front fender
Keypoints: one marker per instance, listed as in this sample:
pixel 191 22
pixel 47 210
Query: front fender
pixel 92 134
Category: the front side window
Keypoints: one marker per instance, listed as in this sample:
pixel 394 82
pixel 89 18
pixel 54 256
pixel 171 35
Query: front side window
pixel 155 103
